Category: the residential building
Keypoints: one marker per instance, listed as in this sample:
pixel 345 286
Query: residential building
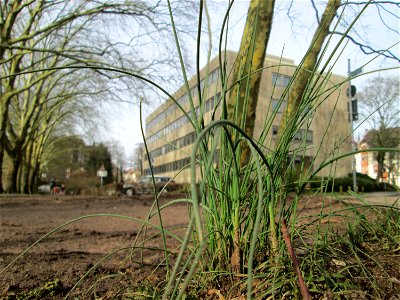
pixel 366 162
pixel 131 175
pixel 170 135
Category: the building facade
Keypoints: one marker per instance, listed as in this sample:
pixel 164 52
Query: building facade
pixel 366 162
pixel 170 134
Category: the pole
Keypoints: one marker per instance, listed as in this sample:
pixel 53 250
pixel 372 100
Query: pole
pixel 353 163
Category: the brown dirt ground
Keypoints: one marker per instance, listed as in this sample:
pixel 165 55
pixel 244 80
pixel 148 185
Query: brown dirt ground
pixel 68 253
pixel 62 258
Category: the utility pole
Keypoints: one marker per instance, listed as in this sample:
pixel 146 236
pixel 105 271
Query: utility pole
pixel 350 99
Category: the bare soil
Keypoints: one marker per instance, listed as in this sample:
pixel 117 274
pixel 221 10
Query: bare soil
pixel 52 268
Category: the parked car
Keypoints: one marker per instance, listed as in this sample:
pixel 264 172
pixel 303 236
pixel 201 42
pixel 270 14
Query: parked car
pixel 145 185
pixel 44 189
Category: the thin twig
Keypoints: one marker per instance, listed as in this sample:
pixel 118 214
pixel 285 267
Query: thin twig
pixel 302 285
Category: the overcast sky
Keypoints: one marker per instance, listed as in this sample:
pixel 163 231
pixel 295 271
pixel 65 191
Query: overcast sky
pixel 289 39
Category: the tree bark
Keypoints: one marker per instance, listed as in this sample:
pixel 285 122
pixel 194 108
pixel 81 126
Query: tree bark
pixel 305 71
pixel 15 168
pixel 242 102
pixel 27 171
pixel 34 179
pixel 1 166
pixel 380 157
pixel 304 74
pixel 4 143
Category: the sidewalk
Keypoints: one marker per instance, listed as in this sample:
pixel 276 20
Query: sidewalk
pixel 383 198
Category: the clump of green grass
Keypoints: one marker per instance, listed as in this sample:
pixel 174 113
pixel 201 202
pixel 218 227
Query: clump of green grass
pixel 49 290
pixel 234 241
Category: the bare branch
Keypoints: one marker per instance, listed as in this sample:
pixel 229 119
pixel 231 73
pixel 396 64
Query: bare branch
pixel 366 49
pixel 316 11
pixel 383 19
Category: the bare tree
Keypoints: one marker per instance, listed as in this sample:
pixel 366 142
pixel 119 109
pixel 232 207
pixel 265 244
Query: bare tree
pixel 379 106
pixel 118 159
pixel 44 43
pixel 138 157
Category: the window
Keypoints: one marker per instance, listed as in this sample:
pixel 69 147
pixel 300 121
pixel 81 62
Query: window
pixel 280 79
pixel 274 131
pixel 298 160
pixel 210 103
pixel 202 85
pixel 275 103
pixel 303 133
pixel 213 77
pixel 299 136
pixel 184 99
pixel 193 91
pixel 309 138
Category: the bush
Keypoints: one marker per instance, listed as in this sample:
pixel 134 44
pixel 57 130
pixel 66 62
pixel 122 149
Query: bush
pixel 388 187
pixel 364 183
pixel 81 182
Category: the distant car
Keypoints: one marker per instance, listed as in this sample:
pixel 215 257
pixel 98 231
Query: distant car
pixel 145 185
pixel 44 189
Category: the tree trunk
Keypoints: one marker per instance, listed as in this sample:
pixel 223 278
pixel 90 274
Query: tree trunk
pixel 1 167
pixel 27 171
pixel 3 138
pixel 380 157
pixel 304 74
pixel 306 68
pixel 16 163
pixel 242 102
pixel 3 142
pixel 34 179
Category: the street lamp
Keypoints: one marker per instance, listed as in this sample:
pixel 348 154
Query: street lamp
pixel 352 105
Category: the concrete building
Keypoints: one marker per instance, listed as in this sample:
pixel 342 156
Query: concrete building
pixel 170 135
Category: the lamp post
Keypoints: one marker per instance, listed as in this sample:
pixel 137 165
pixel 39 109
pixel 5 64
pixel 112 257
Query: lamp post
pixel 350 93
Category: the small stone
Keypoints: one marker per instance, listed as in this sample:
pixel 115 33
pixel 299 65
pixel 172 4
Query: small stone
pixel 339 263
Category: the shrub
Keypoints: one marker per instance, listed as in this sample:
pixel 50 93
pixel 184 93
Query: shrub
pixel 364 182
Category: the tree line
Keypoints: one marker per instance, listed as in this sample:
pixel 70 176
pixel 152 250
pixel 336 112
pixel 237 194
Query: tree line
pixel 53 60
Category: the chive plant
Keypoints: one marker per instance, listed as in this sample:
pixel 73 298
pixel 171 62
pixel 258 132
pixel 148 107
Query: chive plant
pixel 237 209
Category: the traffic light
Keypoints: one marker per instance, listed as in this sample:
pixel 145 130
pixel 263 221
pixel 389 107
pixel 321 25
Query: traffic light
pixel 353 91
pixel 354 106
pixel 354 109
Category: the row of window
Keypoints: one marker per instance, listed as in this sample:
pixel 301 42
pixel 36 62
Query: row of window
pixel 277 80
pixel 299 136
pixel 185 163
pixel 213 77
pixel 176 165
pixel 191 138
pixel 208 106
pixel 170 167
pixel 178 143
pixel 283 104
